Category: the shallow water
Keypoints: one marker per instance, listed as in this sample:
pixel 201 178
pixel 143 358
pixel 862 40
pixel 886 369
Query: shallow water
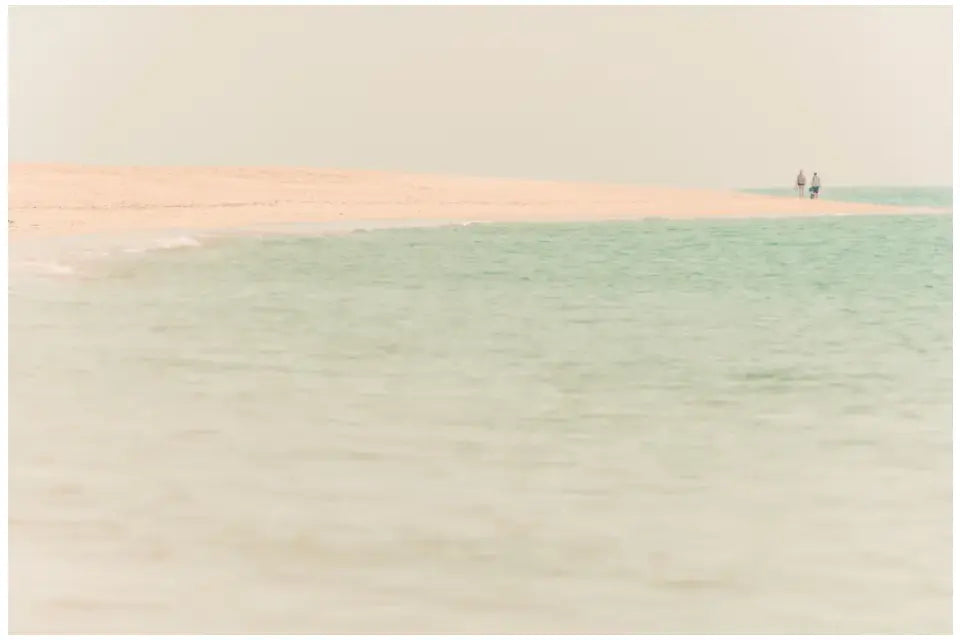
pixel 897 196
pixel 660 426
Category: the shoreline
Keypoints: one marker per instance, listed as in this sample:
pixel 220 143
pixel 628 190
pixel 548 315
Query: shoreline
pixel 71 200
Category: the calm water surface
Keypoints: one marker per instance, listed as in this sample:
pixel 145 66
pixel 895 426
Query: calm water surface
pixel 661 426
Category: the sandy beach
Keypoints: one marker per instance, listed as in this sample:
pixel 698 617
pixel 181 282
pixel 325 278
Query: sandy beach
pixel 56 200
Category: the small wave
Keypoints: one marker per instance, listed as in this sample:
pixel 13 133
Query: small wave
pixel 178 242
pixel 51 268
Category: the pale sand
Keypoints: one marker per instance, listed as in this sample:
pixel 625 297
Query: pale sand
pixel 66 200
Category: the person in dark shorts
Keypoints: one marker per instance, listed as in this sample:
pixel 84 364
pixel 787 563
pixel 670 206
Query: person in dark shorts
pixel 815 186
pixel 801 183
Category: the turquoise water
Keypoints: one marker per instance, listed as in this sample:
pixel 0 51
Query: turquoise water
pixel 660 426
pixel 899 196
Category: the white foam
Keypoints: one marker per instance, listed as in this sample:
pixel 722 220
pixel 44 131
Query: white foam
pixel 51 268
pixel 178 242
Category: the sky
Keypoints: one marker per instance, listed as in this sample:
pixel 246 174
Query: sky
pixel 685 96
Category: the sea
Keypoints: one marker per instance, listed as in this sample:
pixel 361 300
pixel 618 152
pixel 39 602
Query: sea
pixel 660 426
pixel 898 196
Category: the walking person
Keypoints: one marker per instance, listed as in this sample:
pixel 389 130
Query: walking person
pixel 815 186
pixel 801 183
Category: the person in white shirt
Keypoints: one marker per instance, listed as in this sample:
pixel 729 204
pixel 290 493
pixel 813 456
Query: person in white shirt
pixel 815 186
pixel 801 183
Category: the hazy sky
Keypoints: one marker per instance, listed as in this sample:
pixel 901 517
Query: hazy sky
pixel 713 96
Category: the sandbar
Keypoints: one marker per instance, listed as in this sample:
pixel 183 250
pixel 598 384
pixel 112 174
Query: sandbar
pixel 57 200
